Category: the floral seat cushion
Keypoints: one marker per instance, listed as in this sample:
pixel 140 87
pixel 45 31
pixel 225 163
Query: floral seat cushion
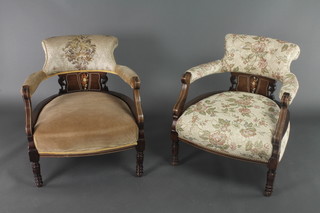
pixel 237 124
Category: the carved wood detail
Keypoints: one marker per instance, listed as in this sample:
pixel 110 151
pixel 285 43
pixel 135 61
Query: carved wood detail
pixel 177 112
pixel 32 150
pixel 281 128
pixel 83 81
pixel 253 84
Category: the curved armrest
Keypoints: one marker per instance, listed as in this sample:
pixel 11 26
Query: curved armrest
pixel 131 78
pixel 178 107
pixel 33 81
pixel 203 70
pixel 289 85
pixel 128 76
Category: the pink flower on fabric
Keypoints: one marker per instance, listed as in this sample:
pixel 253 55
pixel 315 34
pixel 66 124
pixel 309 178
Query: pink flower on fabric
pixel 258 47
pixel 194 118
pixel 233 146
pixel 244 102
pixel 248 132
pixel 218 138
pixel 267 146
pixel 263 123
pixel 262 63
pixel 244 111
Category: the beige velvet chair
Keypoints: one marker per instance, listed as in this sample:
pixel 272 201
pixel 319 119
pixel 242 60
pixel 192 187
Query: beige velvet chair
pixel 84 118
pixel 245 122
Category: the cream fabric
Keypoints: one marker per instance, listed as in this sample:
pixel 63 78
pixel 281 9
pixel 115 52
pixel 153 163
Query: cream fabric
pixel 237 124
pixel 290 85
pixel 259 55
pixel 34 80
pixel 84 122
pixel 255 55
pixel 79 52
pixel 203 70
pixel 126 74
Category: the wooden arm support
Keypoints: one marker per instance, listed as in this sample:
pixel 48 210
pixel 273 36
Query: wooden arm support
pixel 137 101
pixel 179 106
pixel 281 128
pixel 135 104
pixel 28 111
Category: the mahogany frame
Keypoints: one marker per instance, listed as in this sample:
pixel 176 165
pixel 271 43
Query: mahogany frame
pixel 31 116
pixel 240 82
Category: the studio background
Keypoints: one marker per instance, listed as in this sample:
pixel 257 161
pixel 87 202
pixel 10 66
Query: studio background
pixel 160 40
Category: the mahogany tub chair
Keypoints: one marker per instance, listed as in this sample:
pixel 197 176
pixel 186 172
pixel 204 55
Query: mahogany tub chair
pixel 84 118
pixel 245 122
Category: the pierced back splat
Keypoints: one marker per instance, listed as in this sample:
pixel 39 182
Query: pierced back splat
pixel 253 84
pixel 83 81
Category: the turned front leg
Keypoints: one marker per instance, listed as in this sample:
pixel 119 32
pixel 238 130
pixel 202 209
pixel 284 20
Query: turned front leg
pixel 175 148
pixel 140 148
pixel 270 180
pixel 34 159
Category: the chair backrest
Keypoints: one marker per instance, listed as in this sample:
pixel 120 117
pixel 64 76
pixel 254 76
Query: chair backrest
pixel 65 54
pixel 258 55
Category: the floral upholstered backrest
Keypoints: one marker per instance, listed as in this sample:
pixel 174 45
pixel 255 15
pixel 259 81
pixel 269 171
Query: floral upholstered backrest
pixel 79 52
pixel 259 55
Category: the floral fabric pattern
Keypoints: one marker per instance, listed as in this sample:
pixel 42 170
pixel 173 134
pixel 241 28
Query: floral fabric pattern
pixel 205 69
pixel 237 124
pixel 80 51
pixel 259 55
pixel 290 85
pixel 254 55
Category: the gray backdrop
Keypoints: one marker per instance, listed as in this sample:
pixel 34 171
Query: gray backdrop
pixel 159 40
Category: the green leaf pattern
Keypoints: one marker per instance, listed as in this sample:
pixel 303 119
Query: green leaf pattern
pixel 259 55
pixel 254 55
pixel 233 123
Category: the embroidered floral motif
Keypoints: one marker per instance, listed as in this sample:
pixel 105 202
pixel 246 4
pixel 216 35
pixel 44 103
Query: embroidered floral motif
pixel 80 51
pixel 234 123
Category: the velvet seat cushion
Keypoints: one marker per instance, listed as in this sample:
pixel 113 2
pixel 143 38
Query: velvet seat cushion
pixel 84 123
pixel 236 124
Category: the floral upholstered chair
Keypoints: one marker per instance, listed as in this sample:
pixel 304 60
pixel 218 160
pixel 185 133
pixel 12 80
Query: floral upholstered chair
pixel 84 118
pixel 245 122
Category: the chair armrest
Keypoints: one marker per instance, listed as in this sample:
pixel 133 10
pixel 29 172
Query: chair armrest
pixel 33 81
pixel 179 106
pixel 138 107
pixel 203 70
pixel 135 106
pixel 131 78
pixel 127 75
pixel 290 85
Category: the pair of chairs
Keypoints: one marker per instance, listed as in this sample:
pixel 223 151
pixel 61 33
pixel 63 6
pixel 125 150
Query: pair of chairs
pixel 85 118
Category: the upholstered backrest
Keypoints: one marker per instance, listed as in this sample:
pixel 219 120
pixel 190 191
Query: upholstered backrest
pixel 79 52
pixel 259 55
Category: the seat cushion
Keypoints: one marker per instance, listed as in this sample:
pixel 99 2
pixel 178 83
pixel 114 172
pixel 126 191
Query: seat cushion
pixel 84 123
pixel 237 124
